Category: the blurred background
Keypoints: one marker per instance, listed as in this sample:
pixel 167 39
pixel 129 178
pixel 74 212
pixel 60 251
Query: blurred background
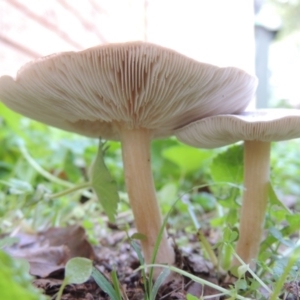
pixel 259 36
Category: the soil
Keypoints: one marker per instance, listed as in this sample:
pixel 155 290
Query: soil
pixel 47 253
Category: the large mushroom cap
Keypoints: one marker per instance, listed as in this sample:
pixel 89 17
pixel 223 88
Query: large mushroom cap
pixel 133 84
pixel 265 125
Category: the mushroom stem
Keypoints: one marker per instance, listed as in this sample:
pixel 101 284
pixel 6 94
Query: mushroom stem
pixel 136 145
pixel 255 198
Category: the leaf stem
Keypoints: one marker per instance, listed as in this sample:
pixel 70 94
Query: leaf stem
pixel 81 186
pixel 46 174
pixel 41 171
pixel 196 279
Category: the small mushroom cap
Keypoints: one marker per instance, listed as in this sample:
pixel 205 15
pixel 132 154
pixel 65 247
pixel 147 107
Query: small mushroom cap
pixel 265 125
pixel 96 91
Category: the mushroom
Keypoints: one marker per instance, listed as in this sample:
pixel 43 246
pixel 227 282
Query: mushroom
pixel 132 92
pixel 257 129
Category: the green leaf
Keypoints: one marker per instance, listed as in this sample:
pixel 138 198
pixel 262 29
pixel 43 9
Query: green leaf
pixel 241 284
pixel 137 250
pixel 138 236
pixel 104 185
pixel 293 221
pixel 72 171
pixel 116 283
pixel 274 200
pixel 159 282
pixel 15 281
pixel 230 235
pixel 293 226
pixel 188 159
pixel 228 165
pixel 205 200
pixel 191 297
pixel 78 270
pixel 104 284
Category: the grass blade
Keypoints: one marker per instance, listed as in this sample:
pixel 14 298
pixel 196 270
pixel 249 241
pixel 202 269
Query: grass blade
pixel 104 284
pixel 159 281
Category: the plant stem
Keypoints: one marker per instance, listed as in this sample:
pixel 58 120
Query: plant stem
pixel 41 171
pixel 46 174
pixel 61 289
pixel 257 278
pixel 141 190
pixel 81 186
pixel 196 279
pixel 255 198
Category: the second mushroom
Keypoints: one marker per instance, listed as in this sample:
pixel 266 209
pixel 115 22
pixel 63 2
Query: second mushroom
pixel 257 129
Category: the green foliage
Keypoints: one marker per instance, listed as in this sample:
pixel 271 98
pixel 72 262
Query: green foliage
pixel 225 247
pixel 160 280
pixel 285 164
pixel 77 271
pixel 37 161
pixel 191 297
pixel 274 200
pixel 15 281
pixel 228 165
pixel 112 291
pixel 188 159
pixel 289 12
pixel 104 185
pixel 227 171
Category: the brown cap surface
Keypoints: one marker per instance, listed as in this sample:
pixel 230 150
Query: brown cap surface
pixel 264 125
pixel 133 84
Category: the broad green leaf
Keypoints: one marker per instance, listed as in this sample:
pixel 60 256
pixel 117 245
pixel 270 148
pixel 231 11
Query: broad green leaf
pixel 228 165
pixel 78 270
pixel 104 185
pixel 188 159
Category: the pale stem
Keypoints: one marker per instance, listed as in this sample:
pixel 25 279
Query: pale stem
pixel 141 191
pixel 255 198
